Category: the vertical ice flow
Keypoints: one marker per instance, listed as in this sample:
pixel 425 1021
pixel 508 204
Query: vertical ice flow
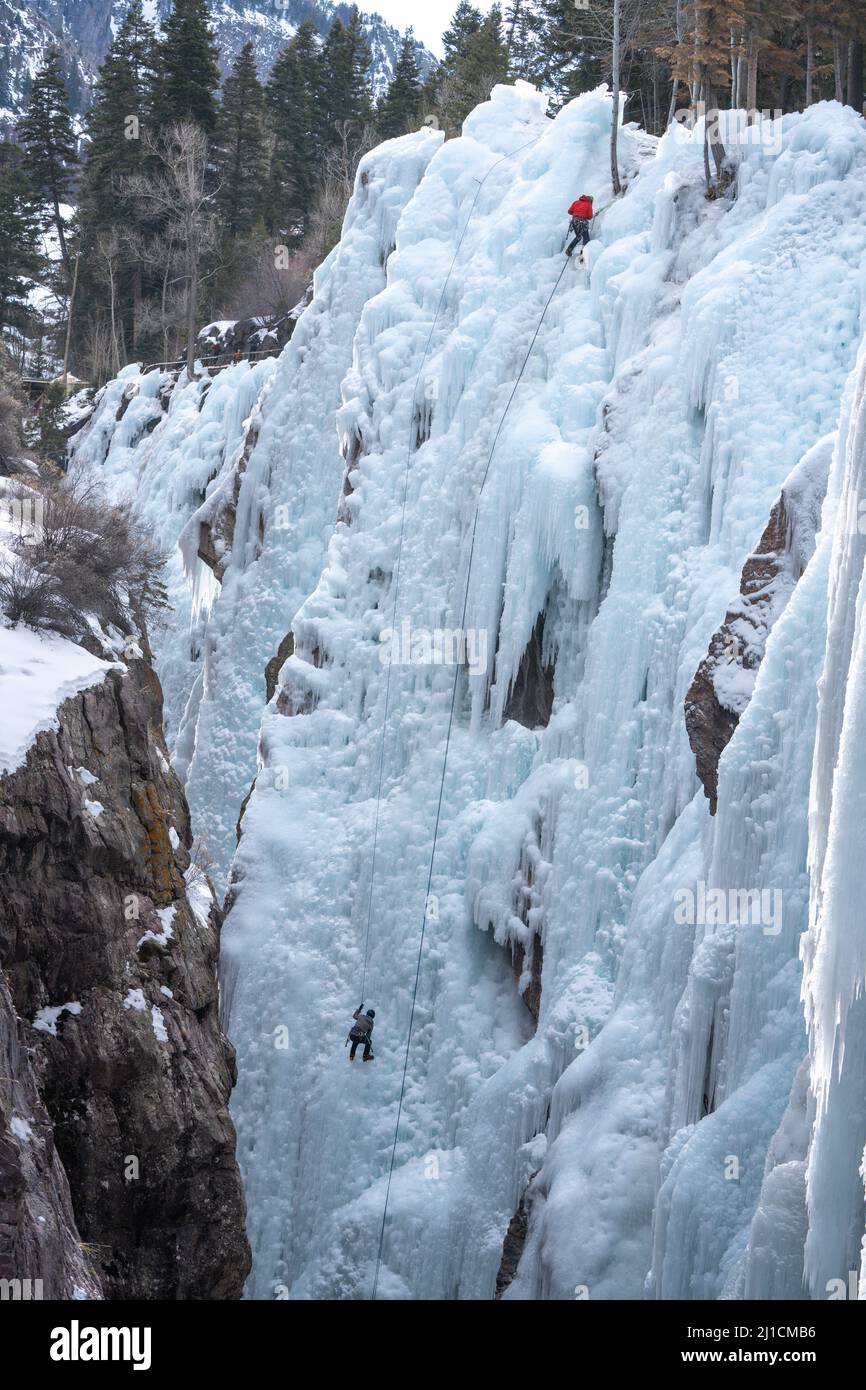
pixel 674 1122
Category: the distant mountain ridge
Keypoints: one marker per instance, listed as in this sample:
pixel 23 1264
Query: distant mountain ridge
pixel 83 29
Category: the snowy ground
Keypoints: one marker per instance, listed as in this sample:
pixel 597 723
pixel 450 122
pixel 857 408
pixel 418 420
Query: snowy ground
pixel 685 1135
pixel 38 670
pixel 37 673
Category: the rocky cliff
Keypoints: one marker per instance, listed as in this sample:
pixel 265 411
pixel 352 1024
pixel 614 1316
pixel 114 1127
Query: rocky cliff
pixel 38 1236
pixel 725 679
pixel 117 1074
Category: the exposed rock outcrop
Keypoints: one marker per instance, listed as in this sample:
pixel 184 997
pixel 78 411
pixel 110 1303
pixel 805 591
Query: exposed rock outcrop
pixel 723 682
pixel 725 679
pixel 530 701
pixel 512 1246
pixel 110 958
pixel 246 335
pixel 272 670
pixel 41 1252
pixel 529 973
pixel 215 520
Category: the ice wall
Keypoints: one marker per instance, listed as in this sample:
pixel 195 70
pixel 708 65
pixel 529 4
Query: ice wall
pixel 586 1037
pixel 834 950
pixel 254 452
pixel 162 445
pixel 659 1107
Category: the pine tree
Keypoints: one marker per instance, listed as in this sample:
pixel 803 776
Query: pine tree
pixel 465 23
pixel 761 46
pixel 118 124
pixel 293 101
pixel 187 72
pixel 120 113
pixel 743 53
pixel 522 30
pixel 572 61
pixel 347 104
pixel 19 236
pixel 241 157
pixel 486 57
pixel 817 21
pixel 431 94
pixel 401 103
pixel 577 43
pixel 47 134
pixel 474 69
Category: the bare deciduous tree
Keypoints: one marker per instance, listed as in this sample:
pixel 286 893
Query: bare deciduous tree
pixel 30 597
pixel 614 25
pixel 87 559
pixel 269 280
pixel 108 256
pixel 160 254
pixel 177 192
pixel 338 180
pixel 70 310
pixel 680 38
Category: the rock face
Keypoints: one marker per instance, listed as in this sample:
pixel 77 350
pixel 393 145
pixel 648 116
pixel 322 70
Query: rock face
pixel 272 670
pixel 247 335
pixel 723 683
pixel 109 943
pixel 513 1246
pixel 530 700
pixel 215 520
pixel 533 968
pixel 27 31
pixel 38 1237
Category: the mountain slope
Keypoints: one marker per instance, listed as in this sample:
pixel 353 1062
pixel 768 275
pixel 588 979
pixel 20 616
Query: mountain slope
pixel 83 29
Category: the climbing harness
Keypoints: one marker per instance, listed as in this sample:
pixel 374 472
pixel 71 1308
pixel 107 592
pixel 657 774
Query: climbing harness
pixel 445 767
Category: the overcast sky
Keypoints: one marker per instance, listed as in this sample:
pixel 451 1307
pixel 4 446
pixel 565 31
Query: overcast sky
pixel 429 19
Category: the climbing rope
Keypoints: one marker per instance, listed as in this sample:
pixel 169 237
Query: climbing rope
pixel 409 452
pixel 444 769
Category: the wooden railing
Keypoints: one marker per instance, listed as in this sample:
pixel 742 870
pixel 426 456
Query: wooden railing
pixel 215 363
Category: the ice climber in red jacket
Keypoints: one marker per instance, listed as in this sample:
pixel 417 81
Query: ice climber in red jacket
pixel 581 216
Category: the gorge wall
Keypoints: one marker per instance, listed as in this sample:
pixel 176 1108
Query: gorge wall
pixel 637 489
pixel 119 1162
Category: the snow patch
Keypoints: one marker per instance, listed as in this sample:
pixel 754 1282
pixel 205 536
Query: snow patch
pixel 46 1019
pixel 37 673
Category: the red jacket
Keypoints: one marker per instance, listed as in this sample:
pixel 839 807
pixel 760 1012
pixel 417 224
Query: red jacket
pixel 582 208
